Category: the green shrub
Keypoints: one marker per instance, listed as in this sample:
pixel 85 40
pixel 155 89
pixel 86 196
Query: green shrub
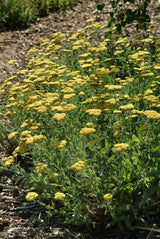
pixel 126 12
pixel 85 117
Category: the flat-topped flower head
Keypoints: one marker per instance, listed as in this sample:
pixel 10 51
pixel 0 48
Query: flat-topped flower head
pixel 31 196
pixel 86 131
pixel 94 112
pixel 121 147
pixel 59 195
pixel 78 166
pixel 108 196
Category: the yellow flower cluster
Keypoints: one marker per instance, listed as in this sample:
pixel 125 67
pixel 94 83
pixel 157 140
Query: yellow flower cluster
pixel 53 175
pixel 62 144
pixel 94 112
pixel 40 167
pixel 8 160
pixel 78 166
pixel 108 196
pixel 121 147
pixel 86 131
pixel 59 195
pixel 31 196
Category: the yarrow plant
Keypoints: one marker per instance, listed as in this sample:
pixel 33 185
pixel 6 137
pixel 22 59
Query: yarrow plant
pixel 86 115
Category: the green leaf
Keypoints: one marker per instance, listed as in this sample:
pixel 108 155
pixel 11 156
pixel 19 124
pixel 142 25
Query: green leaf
pixel 100 6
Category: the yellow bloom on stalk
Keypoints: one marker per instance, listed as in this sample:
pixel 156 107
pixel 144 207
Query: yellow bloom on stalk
pixel 12 135
pixel 85 55
pixel 68 96
pixel 147 74
pixel 113 87
pixel 117 111
pixel 117 133
pixel 53 175
pixel 40 167
pixel 89 124
pixel 69 107
pixel 11 62
pixel 126 107
pixel 94 112
pixel 31 196
pixel 41 109
pixel 59 116
pixel 147 40
pixel 121 147
pixel 152 114
pixel 108 196
pixel 78 166
pixel 37 138
pixel 8 160
pixel 59 195
pixel 86 131
pixel 118 52
pixel 91 20
pixel 81 93
pixel 62 144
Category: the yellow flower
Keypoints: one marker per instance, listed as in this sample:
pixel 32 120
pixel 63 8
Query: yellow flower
pixel 117 111
pixel 68 96
pixel 59 195
pixel 117 133
pixel 152 114
pixel 147 40
pixel 81 93
pixel 91 20
pixel 12 135
pixel 108 196
pixel 87 131
pixel 113 87
pixel 89 124
pixel 147 74
pixel 118 52
pixel 37 138
pixel 31 196
pixel 53 175
pixel 94 112
pixel 9 160
pixel 126 107
pixel 59 116
pixel 62 144
pixel 40 167
pixel 121 147
pixel 11 62
pixel 78 166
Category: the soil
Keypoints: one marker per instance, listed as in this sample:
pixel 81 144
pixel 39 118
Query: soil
pixel 16 216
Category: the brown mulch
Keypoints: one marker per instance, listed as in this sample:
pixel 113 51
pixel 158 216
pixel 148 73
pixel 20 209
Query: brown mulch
pixel 15 213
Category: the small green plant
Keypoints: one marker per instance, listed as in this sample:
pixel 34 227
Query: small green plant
pixel 84 117
pixel 19 14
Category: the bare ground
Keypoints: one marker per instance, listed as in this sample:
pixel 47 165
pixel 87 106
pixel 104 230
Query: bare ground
pixel 15 213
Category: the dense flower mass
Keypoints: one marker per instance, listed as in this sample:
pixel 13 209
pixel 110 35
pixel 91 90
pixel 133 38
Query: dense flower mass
pixel 84 118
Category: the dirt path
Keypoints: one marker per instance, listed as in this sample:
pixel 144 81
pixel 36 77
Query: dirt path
pixel 14 213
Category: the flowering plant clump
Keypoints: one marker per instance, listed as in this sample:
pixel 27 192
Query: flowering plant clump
pixel 84 116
